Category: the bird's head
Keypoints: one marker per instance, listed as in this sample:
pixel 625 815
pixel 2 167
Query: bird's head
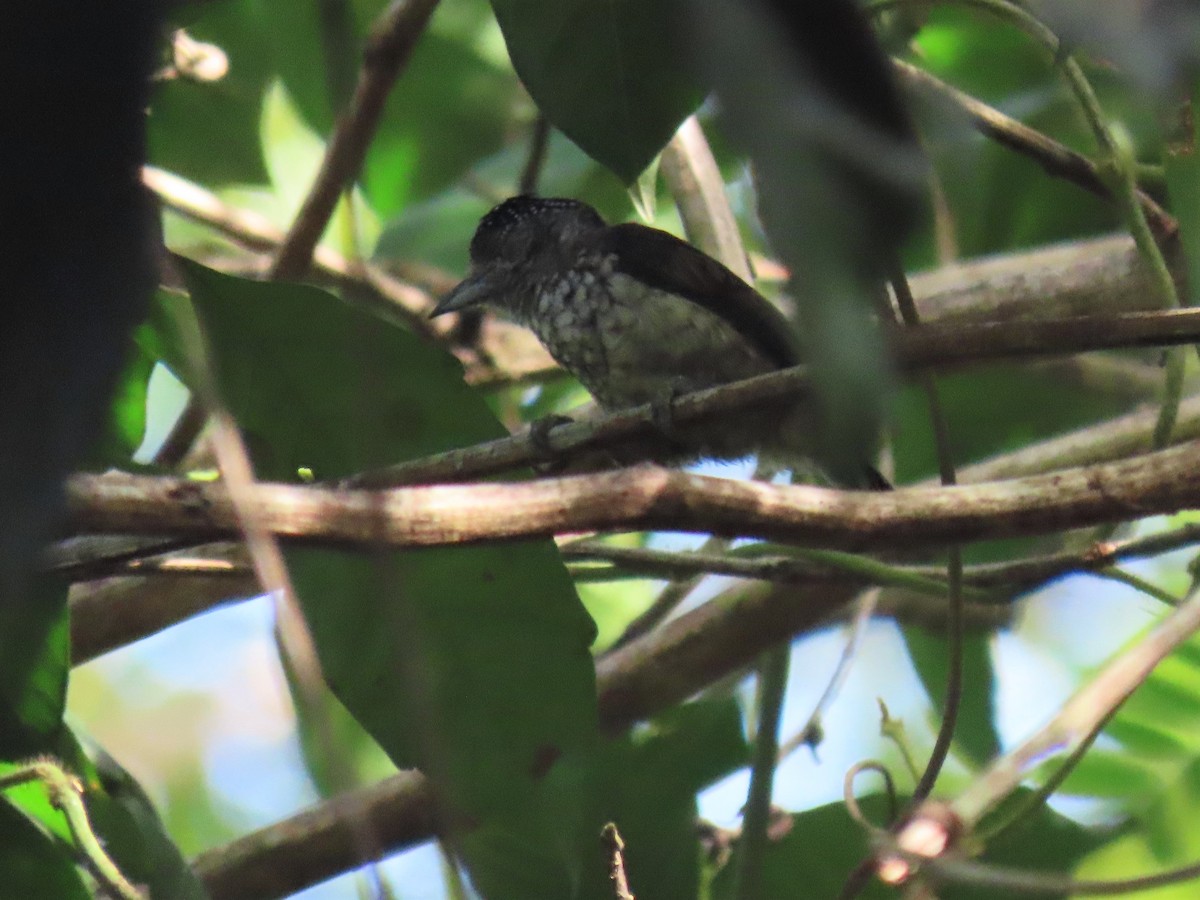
pixel 518 244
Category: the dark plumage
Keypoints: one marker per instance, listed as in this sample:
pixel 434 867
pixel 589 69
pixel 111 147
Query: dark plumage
pixel 638 316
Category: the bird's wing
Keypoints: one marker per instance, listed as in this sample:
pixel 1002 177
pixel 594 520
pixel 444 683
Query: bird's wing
pixel 663 261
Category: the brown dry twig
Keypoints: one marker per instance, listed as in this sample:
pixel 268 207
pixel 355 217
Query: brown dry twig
pixel 392 40
pixel 255 232
pixel 615 847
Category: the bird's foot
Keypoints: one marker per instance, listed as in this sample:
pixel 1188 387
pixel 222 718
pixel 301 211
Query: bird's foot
pixel 662 412
pixel 539 434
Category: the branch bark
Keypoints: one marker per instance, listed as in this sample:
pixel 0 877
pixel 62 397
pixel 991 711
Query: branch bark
pixel 918 348
pixel 388 50
pixel 116 611
pixel 648 497
pixel 320 842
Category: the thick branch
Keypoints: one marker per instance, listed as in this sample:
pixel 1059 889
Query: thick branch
pixel 110 613
pixel 320 842
pixel 113 612
pixel 648 497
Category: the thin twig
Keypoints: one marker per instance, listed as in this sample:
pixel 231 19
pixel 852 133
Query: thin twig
pixel 1055 158
pixel 851 799
pixel 664 604
pixel 698 188
pixel 983 580
pixel 752 848
pixel 929 346
pixel 1033 801
pixel 389 47
pixel 810 734
pixel 954 568
pixel 773 565
pixel 615 846
pixel 254 231
pixel 539 140
pixel 65 793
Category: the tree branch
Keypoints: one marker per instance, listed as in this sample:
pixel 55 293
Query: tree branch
pixel 255 231
pixel 321 841
pixel 1055 158
pixel 918 348
pixel 388 50
pixel 119 610
pixel 648 497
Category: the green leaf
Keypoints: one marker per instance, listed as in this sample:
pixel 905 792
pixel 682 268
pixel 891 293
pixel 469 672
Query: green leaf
pixel 603 74
pixel 134 835
pixel 126 424
pixel 471 663
pixel 33 864
pixel 1107 774
pixel 453 108
pixel 34 664
pixel 646 783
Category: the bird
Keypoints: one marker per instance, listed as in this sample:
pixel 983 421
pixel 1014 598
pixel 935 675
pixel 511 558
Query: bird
pixel 640 316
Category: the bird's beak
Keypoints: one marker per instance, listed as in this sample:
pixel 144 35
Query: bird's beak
pixel 474 290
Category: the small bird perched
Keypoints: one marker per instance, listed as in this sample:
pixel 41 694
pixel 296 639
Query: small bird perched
pixel 639 316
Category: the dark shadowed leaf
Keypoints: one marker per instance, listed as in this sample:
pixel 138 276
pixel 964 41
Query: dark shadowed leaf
pixel 33 864
pixel 807 94
pixel 34 663
pixel 470 663
pixel 607 74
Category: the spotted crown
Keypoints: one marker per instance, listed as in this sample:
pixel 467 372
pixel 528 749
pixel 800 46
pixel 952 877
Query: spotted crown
pixel 499 224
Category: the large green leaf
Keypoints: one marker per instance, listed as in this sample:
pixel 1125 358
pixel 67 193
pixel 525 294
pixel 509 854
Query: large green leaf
pixel 603 73
pixel 126 424
pixel 471 663
pixel 35 658
pixel 32 865
pixel 644 782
